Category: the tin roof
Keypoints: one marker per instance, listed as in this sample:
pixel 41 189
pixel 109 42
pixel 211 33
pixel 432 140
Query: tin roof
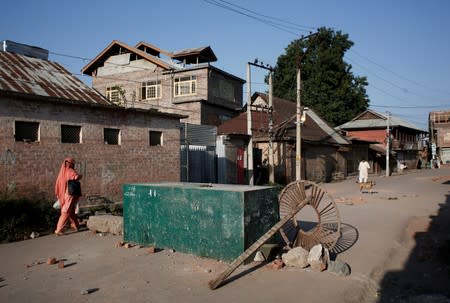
pixel 117 47
pixel 195 55
pixel 378 120
pixel 37 77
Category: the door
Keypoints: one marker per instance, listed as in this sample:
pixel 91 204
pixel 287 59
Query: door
pixel 240 165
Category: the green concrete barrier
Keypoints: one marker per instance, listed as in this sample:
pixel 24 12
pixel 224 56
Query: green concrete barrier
pixel 218 221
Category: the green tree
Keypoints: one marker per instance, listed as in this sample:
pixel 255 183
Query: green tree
pixel 328 84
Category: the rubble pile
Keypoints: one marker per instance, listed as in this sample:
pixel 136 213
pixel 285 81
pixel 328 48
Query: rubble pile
pixel 317 259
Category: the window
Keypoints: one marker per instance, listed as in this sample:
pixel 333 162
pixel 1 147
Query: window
pixel 155 138
pixel 114 94
pixel 185 86
pixel 70 134
pixel 26 131
pixel 111 136
pixel 151 90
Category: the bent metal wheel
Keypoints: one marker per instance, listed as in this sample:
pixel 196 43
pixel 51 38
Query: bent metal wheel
pixel 326 229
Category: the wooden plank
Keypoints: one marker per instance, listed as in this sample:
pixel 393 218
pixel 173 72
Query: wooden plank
pixel 213 284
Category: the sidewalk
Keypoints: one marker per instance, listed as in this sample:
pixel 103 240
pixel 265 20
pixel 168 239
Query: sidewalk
pixel 374 239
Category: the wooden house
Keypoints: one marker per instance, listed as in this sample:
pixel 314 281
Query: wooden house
pixel 322 150
pixel 182 82
pixel 405 139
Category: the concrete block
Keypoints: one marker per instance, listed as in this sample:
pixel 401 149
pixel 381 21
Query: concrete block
pixel 106 224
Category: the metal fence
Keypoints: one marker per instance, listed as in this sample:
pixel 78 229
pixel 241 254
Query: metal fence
pixel 198 153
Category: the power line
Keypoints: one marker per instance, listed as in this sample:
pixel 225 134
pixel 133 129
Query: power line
pixel 396 74
pixel 387 81
pixel 410 107
pixel 240 10
pixel 288 23
pixel 264 20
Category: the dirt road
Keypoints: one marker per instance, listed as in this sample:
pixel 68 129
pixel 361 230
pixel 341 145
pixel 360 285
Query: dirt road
pixel 385 240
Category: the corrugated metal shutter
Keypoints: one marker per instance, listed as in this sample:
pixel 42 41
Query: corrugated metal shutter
pixel 202 135
pixel 198 161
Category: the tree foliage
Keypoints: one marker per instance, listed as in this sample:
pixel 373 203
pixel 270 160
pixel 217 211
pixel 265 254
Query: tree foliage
pixel 328 85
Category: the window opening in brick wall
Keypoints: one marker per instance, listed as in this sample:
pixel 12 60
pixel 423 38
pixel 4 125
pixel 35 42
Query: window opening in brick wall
pixel 151 90
pixel 185 86
pixel 70 134
pixel 111 136
pixel 155 138
pixel 26 131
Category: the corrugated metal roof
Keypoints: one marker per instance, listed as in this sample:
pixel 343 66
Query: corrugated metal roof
pixel 191 55
pixel 378 123
pixel 32 76
pixel 117 47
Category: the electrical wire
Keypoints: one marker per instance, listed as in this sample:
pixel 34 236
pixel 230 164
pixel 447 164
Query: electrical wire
pixel 274 24
pixel 264 19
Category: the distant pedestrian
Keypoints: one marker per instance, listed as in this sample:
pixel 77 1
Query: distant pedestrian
pixel 363 171
pixel 67 202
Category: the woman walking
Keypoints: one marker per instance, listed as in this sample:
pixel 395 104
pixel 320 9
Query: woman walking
pixel 67 202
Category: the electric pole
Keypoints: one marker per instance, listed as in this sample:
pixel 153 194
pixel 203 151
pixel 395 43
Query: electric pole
pixel 388 139
pixel 249 129
pixel 271 168
pixel 298 145
pixel 270 110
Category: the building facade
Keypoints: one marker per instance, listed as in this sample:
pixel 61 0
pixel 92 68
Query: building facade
pixel 46 114
pixel 405 139
pixel 183 82
pixel 323 150
pixel 439 125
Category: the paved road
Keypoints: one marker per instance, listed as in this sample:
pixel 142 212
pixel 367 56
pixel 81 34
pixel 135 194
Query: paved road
pixel 378 242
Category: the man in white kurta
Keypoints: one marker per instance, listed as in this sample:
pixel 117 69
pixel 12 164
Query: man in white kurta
pixel 363 171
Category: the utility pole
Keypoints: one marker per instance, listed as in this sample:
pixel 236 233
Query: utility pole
pixel 270 110
pixel 249 129
pixel 271 167
pixel 388 139
pixel 298 145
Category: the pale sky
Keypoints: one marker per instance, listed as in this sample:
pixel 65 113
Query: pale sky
pixel 403 47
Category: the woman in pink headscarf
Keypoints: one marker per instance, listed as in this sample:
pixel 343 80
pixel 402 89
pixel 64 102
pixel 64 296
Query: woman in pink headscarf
pixel 66 201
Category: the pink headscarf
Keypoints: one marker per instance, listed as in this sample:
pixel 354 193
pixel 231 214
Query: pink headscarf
pixel 65 173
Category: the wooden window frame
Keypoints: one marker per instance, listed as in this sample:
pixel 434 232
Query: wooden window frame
pixel 185 86
pixel 113 94
pixel 153 88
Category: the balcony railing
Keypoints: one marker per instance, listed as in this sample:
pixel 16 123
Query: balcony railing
pixel 399 145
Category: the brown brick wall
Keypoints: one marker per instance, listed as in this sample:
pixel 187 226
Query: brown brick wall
pixel 28 169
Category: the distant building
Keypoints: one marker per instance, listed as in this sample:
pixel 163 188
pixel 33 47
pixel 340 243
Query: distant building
pixel 439 124
pixel 47 114
pixel 406 139
pixel 323 149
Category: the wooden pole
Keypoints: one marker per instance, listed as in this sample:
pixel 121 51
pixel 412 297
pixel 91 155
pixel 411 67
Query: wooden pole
pixel 249 129
pixel 213 284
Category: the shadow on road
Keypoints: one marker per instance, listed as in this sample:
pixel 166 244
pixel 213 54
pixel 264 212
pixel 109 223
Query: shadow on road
pixel 426 273
pixel 349 236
